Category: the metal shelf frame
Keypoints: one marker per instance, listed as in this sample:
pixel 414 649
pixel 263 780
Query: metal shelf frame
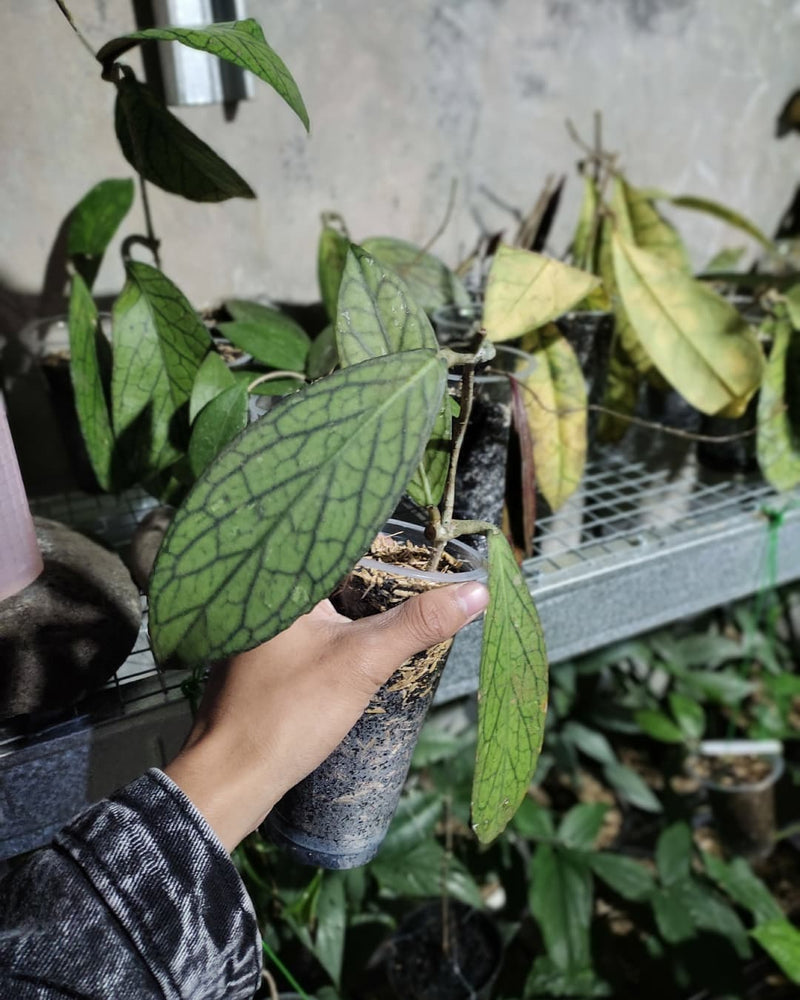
pixel 640 545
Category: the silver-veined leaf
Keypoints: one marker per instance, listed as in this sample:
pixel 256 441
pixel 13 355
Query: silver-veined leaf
pixel 93 222
pixel 216 425
pixel 525 290
pixel 282 514
pixel 239 42
pixel 555 399
pixel 277 341
pixel 88 382
pixel 159 344
pixel 777 442
pixel 430 281
pixel 167 153
pixel 512 696
pixel 213 377
pixel 697 340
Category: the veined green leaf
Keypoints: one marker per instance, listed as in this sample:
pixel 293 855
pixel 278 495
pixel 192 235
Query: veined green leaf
pixel 719 211
pixel 331 256
pixel 213 377
pixel 88 383
pixel 781 941
pixel 777 442
pixel 581 825
pixel 275 522
pixel 239 42
pixel 377 314
pixel 648 229
pixel 431 282
pixel 561 896
pixel 418 873
pixel 277 342
pixel 322 357
pixel 696 339
pixel 93 222
pixel 512 697
pixel 426 486
pixel 166 153
pixel 159 345
pixel 217 424
pixel 525 290
pixel 554 395
pixel 624 875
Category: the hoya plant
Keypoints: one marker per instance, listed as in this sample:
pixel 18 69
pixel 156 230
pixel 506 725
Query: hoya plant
pixel 287 509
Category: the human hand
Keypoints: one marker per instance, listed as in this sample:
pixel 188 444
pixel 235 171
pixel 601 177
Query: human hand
pixel 270 715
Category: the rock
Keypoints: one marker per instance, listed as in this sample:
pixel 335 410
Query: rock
pixel 146 542
pixel 68 631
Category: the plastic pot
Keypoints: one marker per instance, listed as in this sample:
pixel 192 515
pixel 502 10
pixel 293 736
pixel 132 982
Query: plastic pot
pixel 338 815
pixel 743 810
pixel 419 968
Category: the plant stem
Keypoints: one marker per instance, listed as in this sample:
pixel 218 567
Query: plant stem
pixel 283 970
pixel 65 11
pixel 270 376
pixel 148 219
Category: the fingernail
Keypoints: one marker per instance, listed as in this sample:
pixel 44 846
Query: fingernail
pixel 473 598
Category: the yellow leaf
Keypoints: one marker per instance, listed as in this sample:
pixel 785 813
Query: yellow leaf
pixel 555 400
pixel 777 443
pixel 525 290
pixel 696 339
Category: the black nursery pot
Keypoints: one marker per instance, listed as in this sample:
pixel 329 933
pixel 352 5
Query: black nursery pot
pixel 338 816
pixel 589 334
pixel 418 968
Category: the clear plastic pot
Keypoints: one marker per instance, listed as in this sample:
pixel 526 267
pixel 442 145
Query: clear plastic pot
pixel 338 816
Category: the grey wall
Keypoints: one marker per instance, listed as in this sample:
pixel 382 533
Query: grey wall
pixel 404 98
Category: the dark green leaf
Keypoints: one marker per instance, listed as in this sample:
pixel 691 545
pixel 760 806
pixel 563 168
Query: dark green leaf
pixel 777 442
pixel 781 940
pixel 533 821
pixel 166 153
pixel 88 383
pixel 689 715
pixel 723 686
pixel 376 312
pixel 276 521
pixel 217 424
pixel 432 284
pixel 322 356
pixel 560 895
pixel 674 853
pixel 658 725
pixel 512 696
pixel 547 980
pixel 414 821
pixel 239 42
pixel 427 485
pixel 631 787
pixel 279 343
pixel 437 742
pixel 744 887
pixel 331 924
pixel 212 378
pixel 708 912
pixel 331 256
pixel 93 222
pixel 159 344
pixel 418 875
pixel 674 922
pixel 581 825
pixel 624 875
pixel 590 742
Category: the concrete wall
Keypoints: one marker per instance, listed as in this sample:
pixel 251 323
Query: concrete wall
pixel 404 98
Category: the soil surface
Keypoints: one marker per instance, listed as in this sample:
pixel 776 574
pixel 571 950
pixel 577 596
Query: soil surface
pixel 733 770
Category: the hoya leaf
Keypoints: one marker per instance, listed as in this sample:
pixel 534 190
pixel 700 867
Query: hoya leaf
pixel 555 399
pixel 426 486
pixel 674 853
pixel 631 787
pixel 322 357
pixel 738 880
pixel 648 229
pixel 93 222
pixel 88 383
pixel 331 924
pixel 276 521
pixel 624 875
pixel 166 153
pixel 533 821
pixel 710 912
pixel 626 345
pixel 377 314
pixel 213 377
pixel 217 424
pixel 777 442
pixel 584 242
pixel 561 898
pixel 719 211
pixel 512 695
pixel 581 825
pixel 781 941
pixel 590 742
pixel 689 715
pixel 239 42
pixel 525 290
pixel 658 726
pixel 159 345
pixel 697 340
pixel 527 466
pixel 674 922
pixel 331 256
pixel 419 873
pixel 431 282
pixel 278 342
pixel 415 820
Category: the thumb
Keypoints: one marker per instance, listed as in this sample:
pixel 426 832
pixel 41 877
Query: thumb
pixel 420 622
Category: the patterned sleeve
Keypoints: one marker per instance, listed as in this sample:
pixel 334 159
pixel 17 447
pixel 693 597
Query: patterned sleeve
pixel 135 898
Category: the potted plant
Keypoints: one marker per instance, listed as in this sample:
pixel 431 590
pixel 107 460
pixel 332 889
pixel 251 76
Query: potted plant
pixel 286 510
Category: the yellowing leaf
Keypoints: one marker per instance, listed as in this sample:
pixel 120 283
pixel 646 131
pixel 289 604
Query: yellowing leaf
pixel 696 339
pixel 554 395
pixel 777 444
pixel 525 290
pixel 623 331
pixel 619 395
pixel 649 230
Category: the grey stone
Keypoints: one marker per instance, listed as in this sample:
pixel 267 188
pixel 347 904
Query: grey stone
pixel 68 631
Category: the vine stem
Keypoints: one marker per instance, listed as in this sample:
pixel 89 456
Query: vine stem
pixel 155 243
pixel 67 14
pixel 270 376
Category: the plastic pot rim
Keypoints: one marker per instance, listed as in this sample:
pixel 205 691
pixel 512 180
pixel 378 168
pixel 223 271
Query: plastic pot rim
pixel 456 547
